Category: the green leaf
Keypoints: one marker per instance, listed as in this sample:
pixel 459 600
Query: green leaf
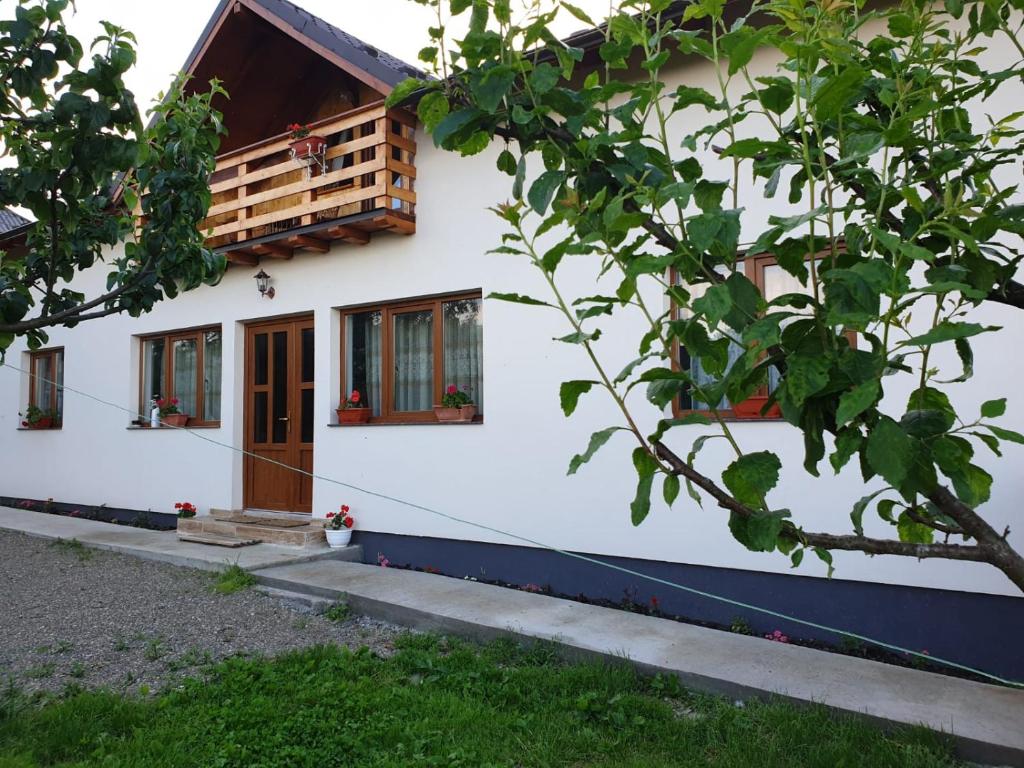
pixel 518 298
pixel 853 403
pixel 913 532
pixel 714 304
pixel 543 190
pixel 806 376
pixel 646 468
pixel 670 489
pixel 758 532
pixel 751 476
pixel 454 122
pixel 889 450
pixel 569 394
pixel 1005 434
pixel 857 515
pixel 597 440
pixel 992 409
pixel 948 331
pixel 432 109
pixel 832 96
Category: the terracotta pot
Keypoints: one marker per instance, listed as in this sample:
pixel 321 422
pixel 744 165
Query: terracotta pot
pixel 342 536
pixel 44 423
pixel 463 414
pixel 175 419
pixel 752 406
pixel 354 415
pixel 309 146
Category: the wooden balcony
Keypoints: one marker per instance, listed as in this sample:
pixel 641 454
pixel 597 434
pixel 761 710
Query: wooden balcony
pixel 265 203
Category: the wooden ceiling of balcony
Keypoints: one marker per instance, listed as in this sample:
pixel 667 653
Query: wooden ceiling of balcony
pixel 271 78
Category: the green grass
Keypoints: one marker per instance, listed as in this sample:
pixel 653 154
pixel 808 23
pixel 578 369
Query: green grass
pixel 338 611
pixel 73 547
pixel 437 703
pixel 232 579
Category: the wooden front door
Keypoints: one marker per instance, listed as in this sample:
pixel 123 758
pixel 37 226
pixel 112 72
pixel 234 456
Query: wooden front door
pixel 279 415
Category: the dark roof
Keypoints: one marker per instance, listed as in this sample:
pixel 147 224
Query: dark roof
pixel 10 221
pixel 366 57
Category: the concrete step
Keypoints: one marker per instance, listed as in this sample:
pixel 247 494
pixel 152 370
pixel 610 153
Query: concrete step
pixel 310 535
pixel 216 540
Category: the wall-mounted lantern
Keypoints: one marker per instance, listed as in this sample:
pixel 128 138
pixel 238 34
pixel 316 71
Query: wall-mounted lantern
pixel 263 284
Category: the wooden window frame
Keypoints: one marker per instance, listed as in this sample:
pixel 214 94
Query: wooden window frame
pixel 388 310
pixel 34 357
pixel 167 385
pixel 753 270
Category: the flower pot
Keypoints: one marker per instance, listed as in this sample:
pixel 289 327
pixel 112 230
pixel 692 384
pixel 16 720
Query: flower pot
pixel 310 146
pixel 339 538
pixel 461 415
pixel 175 419
pixel 44 423
pixel 751 409
pixel 354 415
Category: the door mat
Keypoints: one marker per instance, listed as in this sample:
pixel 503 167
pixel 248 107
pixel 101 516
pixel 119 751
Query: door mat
pixel 271 522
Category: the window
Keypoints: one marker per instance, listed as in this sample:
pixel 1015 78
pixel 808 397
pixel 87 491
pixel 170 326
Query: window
pixel 185 365
pixel 46 384
pixel 402 356
pixel 773 281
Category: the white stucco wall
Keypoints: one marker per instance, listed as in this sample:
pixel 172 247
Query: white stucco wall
pixel 507 473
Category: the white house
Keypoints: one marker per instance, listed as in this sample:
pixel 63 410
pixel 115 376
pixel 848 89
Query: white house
pixel 378 270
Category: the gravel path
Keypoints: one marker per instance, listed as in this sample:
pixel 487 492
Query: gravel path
pixel 70 615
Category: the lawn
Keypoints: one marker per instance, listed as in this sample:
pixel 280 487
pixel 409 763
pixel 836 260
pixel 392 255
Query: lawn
pixel 438 702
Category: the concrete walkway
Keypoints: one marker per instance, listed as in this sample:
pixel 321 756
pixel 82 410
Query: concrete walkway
pixel 161 545
pixel 985 721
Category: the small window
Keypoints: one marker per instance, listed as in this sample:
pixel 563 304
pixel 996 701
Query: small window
pixel 185 365
pixel 46 388
pixel 772 281
pixel 401 357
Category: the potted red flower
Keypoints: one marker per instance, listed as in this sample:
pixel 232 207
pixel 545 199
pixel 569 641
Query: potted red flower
pixel 751 408
pixel 304 142
pixel 339 527
pixel 185 509
pixel 37 418
pixel 169 413
pixel 353 410
pixel 456 406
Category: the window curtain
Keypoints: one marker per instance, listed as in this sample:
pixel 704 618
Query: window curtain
pixel 59 379
pixel 414 360
pixel 463 348
pixel 363 357
pixel 153 375
pixel 185 360
pixel 44 382
pixel 211 375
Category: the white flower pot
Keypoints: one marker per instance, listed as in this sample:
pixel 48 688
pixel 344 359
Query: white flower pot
pixel 340 538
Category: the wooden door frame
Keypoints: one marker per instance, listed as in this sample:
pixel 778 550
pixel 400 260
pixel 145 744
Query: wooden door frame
pixel 294 445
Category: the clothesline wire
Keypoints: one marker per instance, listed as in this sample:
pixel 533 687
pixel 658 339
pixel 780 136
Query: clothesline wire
pixel 544 545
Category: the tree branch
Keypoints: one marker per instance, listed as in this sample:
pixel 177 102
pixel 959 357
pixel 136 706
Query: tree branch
pixel 852 543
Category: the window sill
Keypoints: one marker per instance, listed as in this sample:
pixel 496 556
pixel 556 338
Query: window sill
pixel 39 429
pixel 171 429
pixel 412 424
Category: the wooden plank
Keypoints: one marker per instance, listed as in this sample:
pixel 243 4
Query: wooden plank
pixel 402 194
pixel 401 142
pixel 289 165
pixel 397 166
pixel 308 242
pixel 351 196
pixel 402 116
pixel 404 226
pixel 348 234
pixel 281 141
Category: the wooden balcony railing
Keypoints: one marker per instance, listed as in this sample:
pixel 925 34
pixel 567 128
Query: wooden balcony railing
pixel 265 202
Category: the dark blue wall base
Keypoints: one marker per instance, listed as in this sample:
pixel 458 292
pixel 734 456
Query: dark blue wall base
pixel 139 518
pixel 982 631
